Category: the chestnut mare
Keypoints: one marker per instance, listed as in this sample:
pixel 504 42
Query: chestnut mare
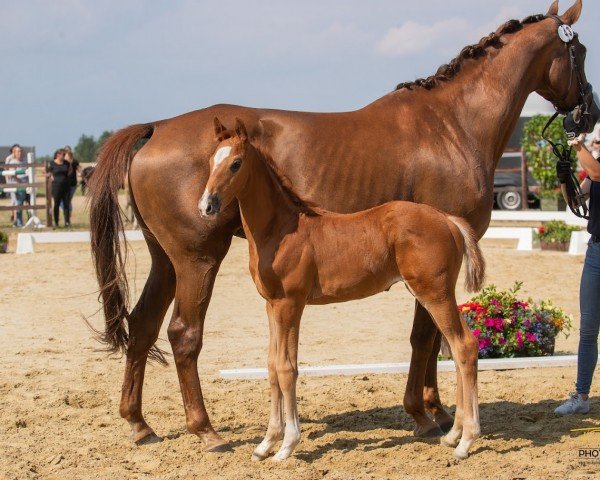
pixel 460 119
pixel 303 255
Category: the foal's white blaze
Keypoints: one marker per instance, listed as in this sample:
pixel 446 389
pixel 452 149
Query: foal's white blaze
pixel 221 154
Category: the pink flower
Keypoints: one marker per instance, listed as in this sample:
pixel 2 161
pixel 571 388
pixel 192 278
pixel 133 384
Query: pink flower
pixel 501 340
pixel 499 324
pixel 530 337
pixel 527 323
pixel 490 322
pixel 519 337
pixel 476 332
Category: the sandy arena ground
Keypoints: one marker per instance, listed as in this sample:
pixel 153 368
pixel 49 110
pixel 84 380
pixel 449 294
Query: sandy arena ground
pixel 59 396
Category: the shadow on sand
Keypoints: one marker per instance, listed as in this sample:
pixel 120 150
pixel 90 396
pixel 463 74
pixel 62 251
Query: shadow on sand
pixel 501 420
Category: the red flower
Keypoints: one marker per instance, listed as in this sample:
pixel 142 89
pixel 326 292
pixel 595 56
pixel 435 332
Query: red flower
pixel 541 230
pixel 582 175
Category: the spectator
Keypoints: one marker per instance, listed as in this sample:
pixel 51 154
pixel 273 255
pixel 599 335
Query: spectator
pixel 74 168
pixel 18 198
pixel 59 170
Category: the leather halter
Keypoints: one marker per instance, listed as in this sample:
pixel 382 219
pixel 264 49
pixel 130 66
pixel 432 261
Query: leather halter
pixel 575 195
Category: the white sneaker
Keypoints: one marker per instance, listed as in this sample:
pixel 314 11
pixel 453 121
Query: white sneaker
pixel 575 404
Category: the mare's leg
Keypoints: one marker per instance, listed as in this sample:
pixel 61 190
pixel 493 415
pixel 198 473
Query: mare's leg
pixel 287 323
pixel 144 324
pixel 275 427
pixel 422 340
pixel 464 351
pixel 195 275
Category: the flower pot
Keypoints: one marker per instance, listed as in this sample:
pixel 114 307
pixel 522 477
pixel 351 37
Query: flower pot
pixel 556 246
pixel 553 204
pixel 550 349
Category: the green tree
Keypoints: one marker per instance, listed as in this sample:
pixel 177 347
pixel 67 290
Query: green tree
pixel 540 157
pixel 85 150
pixel 100 142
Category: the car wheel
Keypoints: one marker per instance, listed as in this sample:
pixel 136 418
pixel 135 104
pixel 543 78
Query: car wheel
pixel 510 200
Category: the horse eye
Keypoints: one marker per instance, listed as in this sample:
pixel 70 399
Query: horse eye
pixel 235 166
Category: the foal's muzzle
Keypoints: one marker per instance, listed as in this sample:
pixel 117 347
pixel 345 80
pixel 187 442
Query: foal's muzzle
pixel 210 204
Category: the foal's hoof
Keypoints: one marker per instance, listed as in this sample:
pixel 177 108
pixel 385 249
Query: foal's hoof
pixel 258 457
pixel 449 441
pixel 460 454
pixel 147 439
pixel 432 431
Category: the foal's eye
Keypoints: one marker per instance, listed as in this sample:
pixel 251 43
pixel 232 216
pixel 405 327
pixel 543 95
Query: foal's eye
pixel 235 165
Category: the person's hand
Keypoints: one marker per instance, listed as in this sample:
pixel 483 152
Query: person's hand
pixel 563 170
pixel 577 142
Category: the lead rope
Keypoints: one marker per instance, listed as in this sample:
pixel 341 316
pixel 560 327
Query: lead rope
pixel 575 196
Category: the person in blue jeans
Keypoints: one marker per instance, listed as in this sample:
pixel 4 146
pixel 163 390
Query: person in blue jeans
pixel 589 291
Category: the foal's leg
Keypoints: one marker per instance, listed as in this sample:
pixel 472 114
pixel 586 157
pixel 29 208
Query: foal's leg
pixel 275 428
pixel 431 394
pixel 464 351
pixel 195 280
pixel 287 315
pixel 422 339
pixel 144 324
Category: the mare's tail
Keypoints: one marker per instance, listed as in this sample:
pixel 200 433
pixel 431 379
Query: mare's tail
pixel 106 227
pixel 473 256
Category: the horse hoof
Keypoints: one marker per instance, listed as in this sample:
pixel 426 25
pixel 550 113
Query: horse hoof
pixel 433 431
pixel 218 447
pixel 460 454
pixel 446 425
pixel 449 442
pixel 258 457
pixel 148 439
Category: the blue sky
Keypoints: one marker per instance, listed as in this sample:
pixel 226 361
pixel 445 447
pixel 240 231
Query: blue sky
pixel 82 66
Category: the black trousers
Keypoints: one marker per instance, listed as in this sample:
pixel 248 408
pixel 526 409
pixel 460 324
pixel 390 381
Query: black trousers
pixel 61 192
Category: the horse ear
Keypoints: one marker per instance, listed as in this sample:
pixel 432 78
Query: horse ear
pixel 553 10
pixel 240 130
pixel 221 132
pixel 573 13
pixel 218 126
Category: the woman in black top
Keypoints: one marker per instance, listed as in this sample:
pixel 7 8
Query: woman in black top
pixel 589 291
pixel 74 168
pixel 60 171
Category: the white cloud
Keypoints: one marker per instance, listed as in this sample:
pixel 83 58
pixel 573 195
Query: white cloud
pixel 412 37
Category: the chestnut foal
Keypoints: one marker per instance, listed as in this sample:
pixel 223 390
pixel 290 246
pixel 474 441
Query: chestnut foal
pixel 300 255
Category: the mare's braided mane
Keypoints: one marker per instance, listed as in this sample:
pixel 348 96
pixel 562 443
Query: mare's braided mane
pixel 450 70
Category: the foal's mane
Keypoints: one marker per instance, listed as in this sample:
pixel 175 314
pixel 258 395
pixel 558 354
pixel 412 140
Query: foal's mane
pixel 450 70
pixel 282 181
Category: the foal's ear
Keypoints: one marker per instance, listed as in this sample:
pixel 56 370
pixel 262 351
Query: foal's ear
pixel 553 10
pixel 220 131
pixel 573 13
pixel 240 130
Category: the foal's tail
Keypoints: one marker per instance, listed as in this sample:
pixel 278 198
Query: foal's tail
pixel 106 227
pixel 472 252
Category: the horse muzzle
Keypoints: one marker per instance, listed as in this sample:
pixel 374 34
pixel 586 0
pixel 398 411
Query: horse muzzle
pixel 583 118
pixel 209 204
